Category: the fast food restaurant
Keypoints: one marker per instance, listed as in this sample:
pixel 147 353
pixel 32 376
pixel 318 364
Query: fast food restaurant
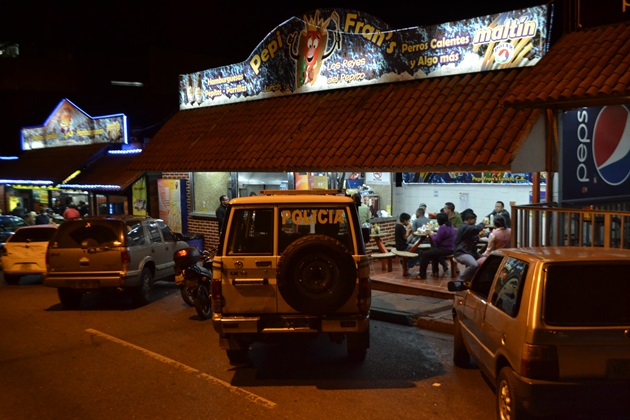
pixel 362 105
pixel 73 157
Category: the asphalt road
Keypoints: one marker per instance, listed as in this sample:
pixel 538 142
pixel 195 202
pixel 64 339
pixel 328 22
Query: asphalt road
pixel 111 360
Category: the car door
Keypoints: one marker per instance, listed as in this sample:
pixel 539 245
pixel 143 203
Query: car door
pixel 160 251
pixel 475 304
pixel 249 261
pixel 503 328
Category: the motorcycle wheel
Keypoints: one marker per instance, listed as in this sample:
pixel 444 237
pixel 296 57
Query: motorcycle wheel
pixel 202 302
pixel 187 294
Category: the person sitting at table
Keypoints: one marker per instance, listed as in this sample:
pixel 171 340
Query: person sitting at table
pixel 403 231
pixel 499 210
pixel 453 217
pixel 417 223
pixel 500 237
pixel 466 244
pixel 443 244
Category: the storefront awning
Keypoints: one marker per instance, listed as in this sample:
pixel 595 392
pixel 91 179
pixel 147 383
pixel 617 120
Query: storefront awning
pixel 585 68
pixel 49 166
pixel 452 123
pixel 108 173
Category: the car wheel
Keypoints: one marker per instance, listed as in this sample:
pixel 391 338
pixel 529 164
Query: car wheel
pixel 187 295
pixel 358 344
pixel 508 406
pixel 461 357
pixel 11 278
pixel 141 295
pixel 69 298
pixel 203 305
pixel 316 275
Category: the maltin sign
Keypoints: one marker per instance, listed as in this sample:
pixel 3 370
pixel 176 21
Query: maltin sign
pixel 332 49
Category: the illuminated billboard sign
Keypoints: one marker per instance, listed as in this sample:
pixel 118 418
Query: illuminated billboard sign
pixel 68 125
pixel 331 49
pixel 595 153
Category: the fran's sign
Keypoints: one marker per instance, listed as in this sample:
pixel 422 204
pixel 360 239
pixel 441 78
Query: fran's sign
pixel 70 126
pixel 331 49
pixel 595 153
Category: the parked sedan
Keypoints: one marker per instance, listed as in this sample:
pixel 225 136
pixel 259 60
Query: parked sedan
pixel 8 225
pixel 25 252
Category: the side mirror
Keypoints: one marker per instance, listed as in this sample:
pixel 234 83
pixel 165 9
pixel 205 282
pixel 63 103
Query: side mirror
pixel 178 236
pixel 456 286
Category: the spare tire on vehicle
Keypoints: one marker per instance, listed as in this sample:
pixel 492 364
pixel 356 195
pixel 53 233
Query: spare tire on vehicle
pixel 316 274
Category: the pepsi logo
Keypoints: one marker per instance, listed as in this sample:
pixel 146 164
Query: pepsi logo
pixel 611 144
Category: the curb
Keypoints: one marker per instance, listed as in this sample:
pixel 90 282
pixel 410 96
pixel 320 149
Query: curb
pixel 428 323
pixel 406 290
pixel 394 317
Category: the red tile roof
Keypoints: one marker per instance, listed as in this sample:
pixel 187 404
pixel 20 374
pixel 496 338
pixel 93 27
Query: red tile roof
pixel 450 123
pixel 586 68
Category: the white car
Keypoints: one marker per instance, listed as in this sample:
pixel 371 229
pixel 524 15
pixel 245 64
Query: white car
pixel 25 252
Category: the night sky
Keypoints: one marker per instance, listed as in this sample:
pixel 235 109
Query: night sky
pixel 74 49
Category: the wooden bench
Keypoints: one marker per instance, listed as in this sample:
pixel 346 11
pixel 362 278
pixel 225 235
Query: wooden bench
pixel 453 263
pixel 404 256
pixel 386 260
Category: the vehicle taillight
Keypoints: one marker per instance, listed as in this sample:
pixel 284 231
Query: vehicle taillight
pixel 125 258
pixel 540 362
pixel 216 291
pixel 181 253
pixel 364 296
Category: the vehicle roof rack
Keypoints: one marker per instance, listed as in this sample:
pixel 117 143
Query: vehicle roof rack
pixel 301 192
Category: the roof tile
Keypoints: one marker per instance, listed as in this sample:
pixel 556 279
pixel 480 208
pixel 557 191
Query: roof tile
pixel 583 68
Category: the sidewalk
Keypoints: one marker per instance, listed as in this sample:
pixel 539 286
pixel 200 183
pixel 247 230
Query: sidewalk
pixel 411 301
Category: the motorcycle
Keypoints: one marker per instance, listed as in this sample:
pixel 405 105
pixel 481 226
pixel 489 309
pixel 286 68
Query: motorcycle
pixel 194 274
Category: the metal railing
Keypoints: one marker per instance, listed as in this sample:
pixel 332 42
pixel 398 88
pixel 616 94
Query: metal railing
pixel 546 224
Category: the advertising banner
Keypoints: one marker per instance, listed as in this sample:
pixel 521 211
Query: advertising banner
pixel 70 126
pixel 470 178
pixel 332 49
pixel 172 204
pixel 595 153
pixel 139 196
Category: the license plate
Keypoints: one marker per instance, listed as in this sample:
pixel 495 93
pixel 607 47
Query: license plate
pixel 83 284
pixel 618 369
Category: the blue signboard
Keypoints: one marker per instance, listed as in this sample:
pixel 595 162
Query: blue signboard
pixel 595 153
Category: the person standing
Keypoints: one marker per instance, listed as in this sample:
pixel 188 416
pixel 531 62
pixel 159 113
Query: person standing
pixel 19 211
pixel 453 216
pixel 362 209
pixel 499 210
pixel 466 244
pixel 71 212
pixel 443 245
pixel 220 211
pixel 42 218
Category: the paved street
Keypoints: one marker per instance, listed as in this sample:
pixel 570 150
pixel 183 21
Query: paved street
pixel 109 359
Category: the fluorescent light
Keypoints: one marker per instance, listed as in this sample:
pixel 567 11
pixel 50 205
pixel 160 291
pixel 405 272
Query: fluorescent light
pixel 125 83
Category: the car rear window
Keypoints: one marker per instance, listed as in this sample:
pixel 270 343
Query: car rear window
pixel 587 294
pixel 92 233
pixel 33 235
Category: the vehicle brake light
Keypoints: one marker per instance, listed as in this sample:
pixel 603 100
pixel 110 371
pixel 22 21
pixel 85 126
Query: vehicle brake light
pixel 216 296
pixel 181 253
pixel 125 257
pixel 540 362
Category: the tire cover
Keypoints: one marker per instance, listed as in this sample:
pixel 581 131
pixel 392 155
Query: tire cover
pixel 316 274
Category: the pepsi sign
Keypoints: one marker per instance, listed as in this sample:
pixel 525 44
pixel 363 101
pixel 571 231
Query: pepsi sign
pixel 596 153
